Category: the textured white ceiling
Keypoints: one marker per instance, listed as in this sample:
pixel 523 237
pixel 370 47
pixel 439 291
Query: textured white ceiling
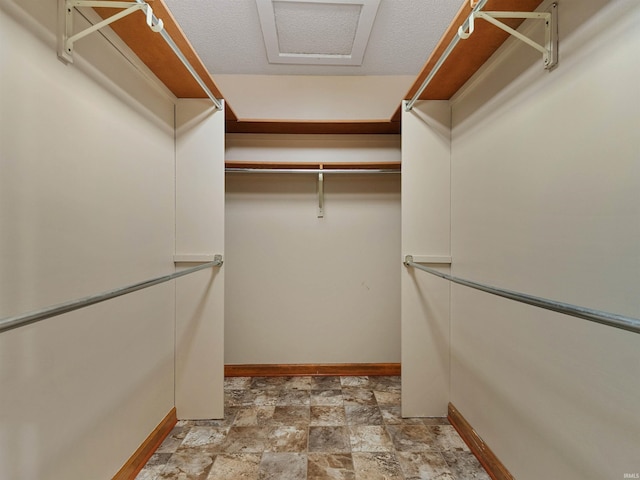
pixel 228 37
pixel 316 28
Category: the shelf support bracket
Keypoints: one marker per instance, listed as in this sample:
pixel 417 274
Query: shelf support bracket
pixel 66 37
pixel 320 193
pixel 550 48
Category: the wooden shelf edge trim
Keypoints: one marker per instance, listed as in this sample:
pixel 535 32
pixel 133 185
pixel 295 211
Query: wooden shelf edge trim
pixel 314 166
pixel 138 460
pixel 486 457
pixel 351 127
pixel 313 369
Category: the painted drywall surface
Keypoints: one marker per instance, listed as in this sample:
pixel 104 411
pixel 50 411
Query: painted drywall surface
pixel 304 97
pixel 302 289
pixel 86 205
pixel 426 170
pixel 545 182
pixel 199 230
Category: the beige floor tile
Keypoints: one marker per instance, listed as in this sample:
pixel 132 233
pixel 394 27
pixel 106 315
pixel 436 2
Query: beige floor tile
pixel 376 466
pixel 245 440
pixel 281 466
pixel 188 464
pixel 286 415
pixel 424 465
pixel 411 438
pixel 363 415
pixel 369 438
pixel 212 437
pixel 287 439
pixel 330 466
pixel 387 398
pixel 326 398
pixel 465 465
pixel 327 416
pixel 254 416
pixel 329 439
pixel 239 466
pixel 314 428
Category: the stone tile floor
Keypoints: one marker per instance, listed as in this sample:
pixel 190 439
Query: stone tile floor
pixel 291 428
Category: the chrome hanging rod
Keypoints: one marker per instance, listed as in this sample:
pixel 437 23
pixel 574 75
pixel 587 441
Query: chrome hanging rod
pixel 10 323
pixel 67 38
pixel 315 171
pixel 598 316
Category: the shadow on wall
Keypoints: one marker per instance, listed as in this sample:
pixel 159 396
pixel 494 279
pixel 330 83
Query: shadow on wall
pixel 522 58
pixel 95 57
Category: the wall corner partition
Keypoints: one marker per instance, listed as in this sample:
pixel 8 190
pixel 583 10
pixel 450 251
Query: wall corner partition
pixel 426 151
pixel 200 201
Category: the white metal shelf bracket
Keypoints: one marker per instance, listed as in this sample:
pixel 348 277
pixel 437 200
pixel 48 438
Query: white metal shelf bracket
pixel 66 38
pixel 320 193
pixel 550 48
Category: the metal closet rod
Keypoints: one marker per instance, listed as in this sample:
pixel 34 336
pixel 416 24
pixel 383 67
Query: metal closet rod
pixel 598 316
pixel 443 57
pixel 167 38
pixel 10 323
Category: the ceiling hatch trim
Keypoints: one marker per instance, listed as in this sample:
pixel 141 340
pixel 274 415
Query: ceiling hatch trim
pixel 326 32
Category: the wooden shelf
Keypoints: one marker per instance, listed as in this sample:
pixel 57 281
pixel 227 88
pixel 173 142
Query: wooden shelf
pixel 469 55
pixel 380 127
pixel 463 62
pixel 315 166
pixel 158 56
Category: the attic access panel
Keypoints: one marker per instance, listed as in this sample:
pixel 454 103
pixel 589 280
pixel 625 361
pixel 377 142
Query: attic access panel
pixel 316 32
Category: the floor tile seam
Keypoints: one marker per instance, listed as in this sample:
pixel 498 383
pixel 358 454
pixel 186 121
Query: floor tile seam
pixel 449 466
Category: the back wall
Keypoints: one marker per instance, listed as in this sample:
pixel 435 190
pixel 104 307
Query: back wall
pixel 302 289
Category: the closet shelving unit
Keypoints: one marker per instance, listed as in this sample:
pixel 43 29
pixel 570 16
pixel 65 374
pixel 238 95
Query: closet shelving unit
pixel 468 55
pixel 319 169
pixel 311 168
pixel 465 59
pixel 158 42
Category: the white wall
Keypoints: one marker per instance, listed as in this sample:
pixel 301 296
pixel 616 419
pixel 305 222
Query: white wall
pixel 323 97
pixel 87 201
pixel 302 289
pixel 200 231
pixel 545 182
pixel 426 184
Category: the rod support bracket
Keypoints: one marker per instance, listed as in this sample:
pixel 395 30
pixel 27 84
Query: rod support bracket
pixel 66 37
pixel 321 193
pixel 549 49
pixel 408 259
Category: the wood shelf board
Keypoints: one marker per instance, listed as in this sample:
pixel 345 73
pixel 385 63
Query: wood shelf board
pixel 314 166
pixel 468 55
pixel 315 370
pixel 379 127
pixel 154 52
